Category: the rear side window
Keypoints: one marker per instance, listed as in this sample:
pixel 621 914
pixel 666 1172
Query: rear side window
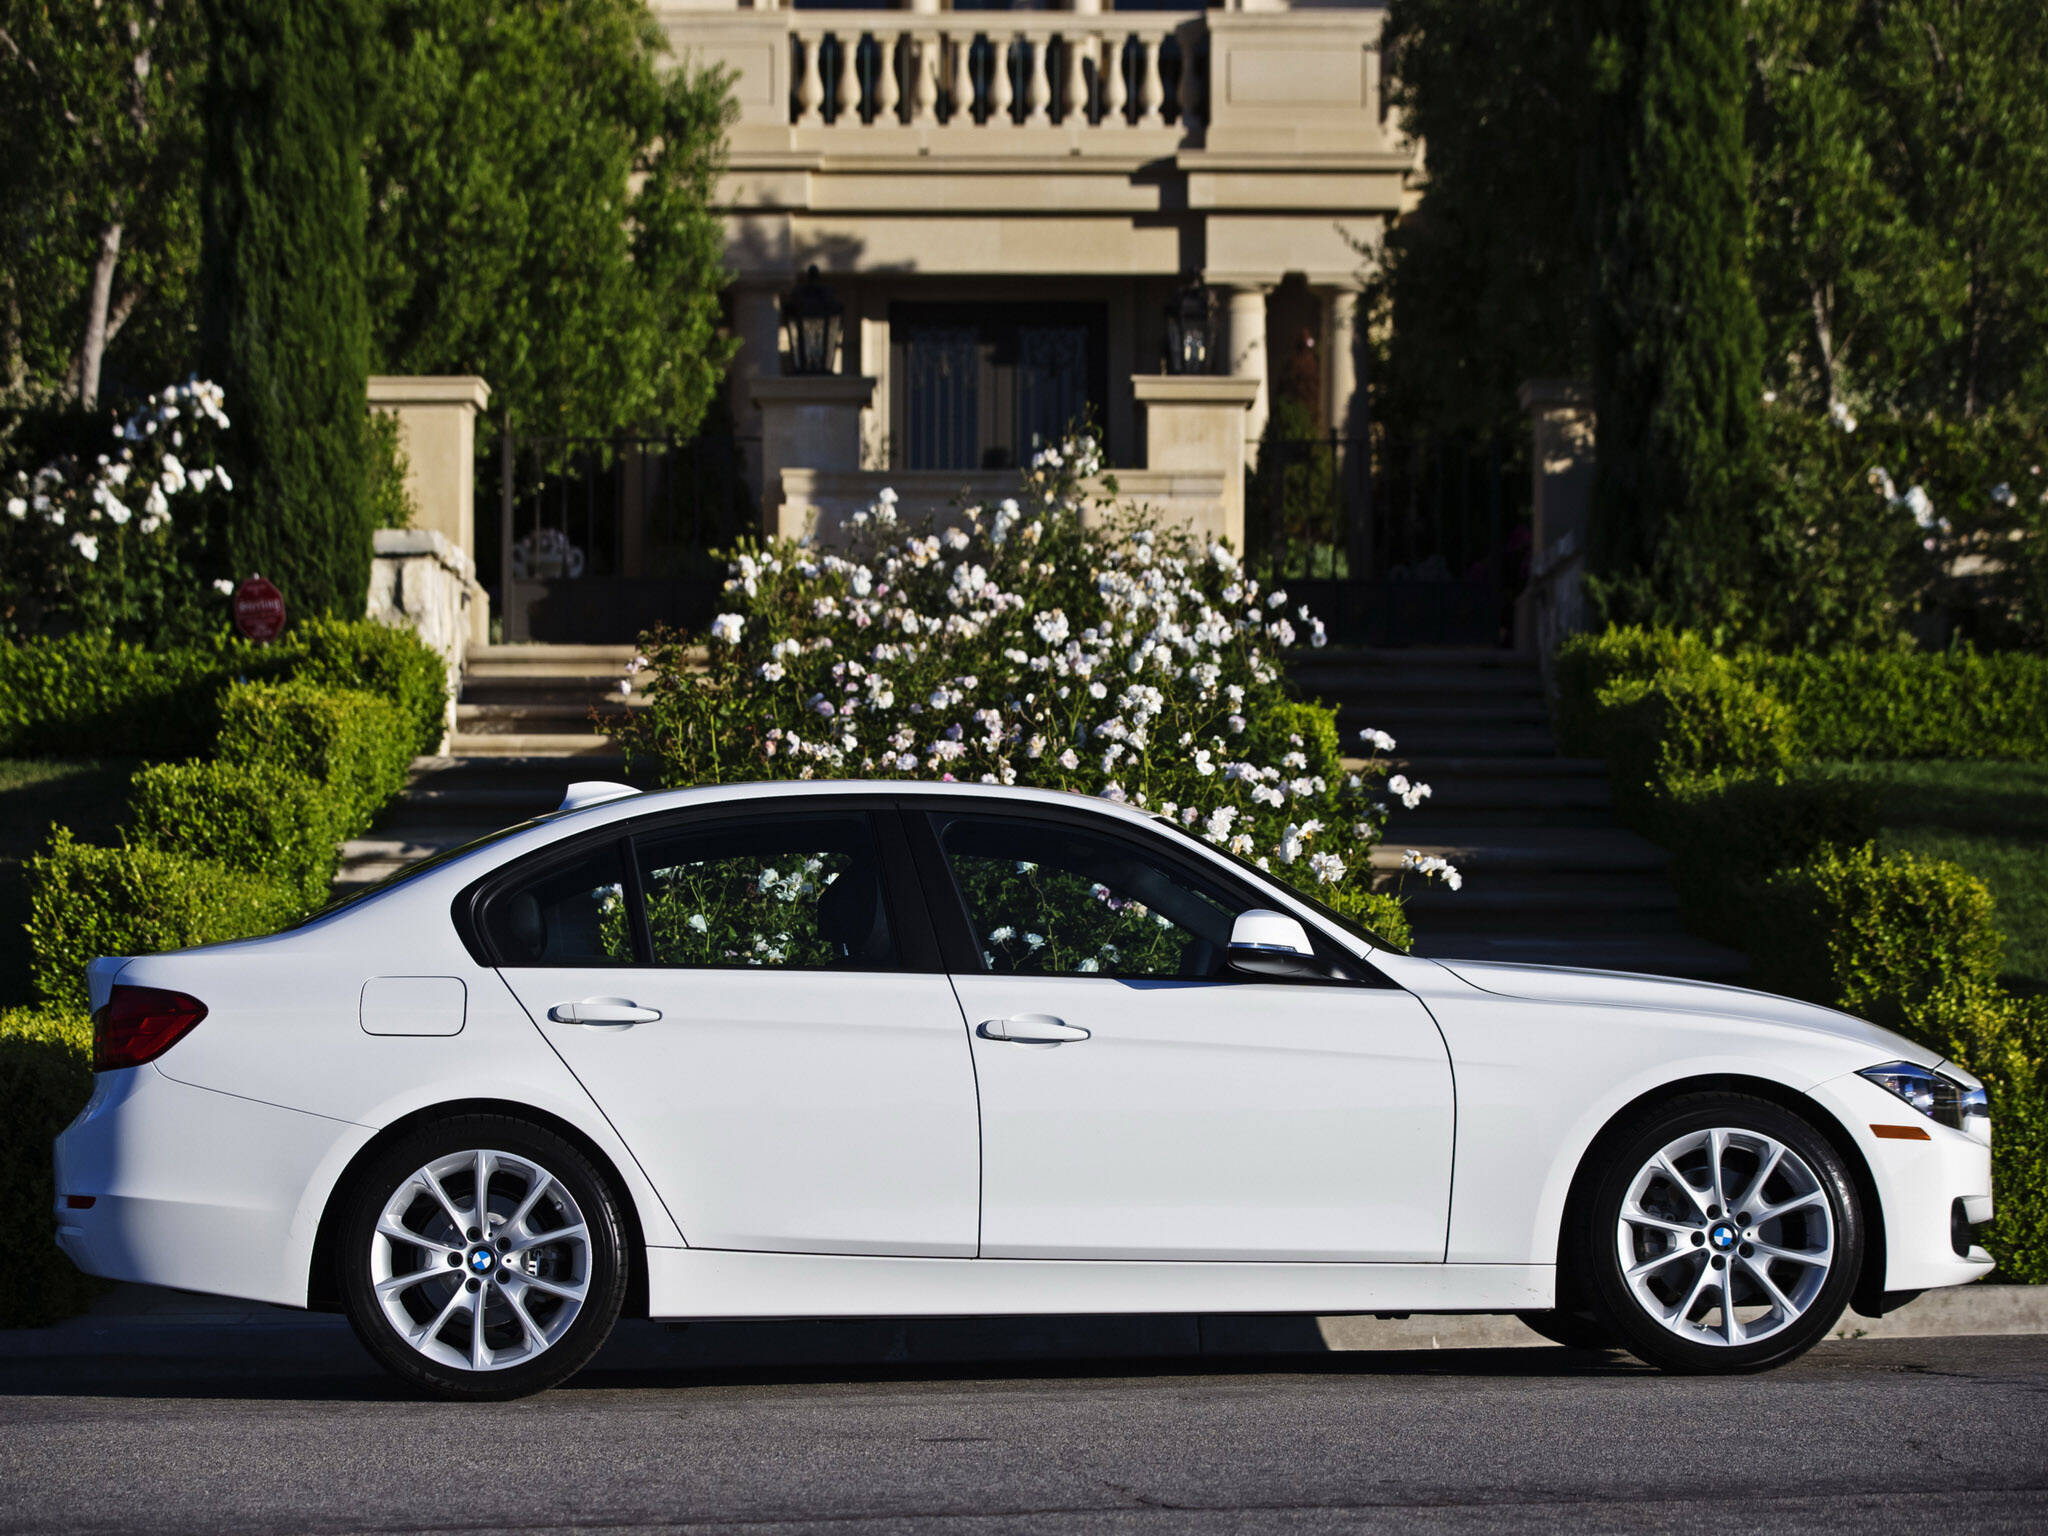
pixel 802 892
pixel 573 913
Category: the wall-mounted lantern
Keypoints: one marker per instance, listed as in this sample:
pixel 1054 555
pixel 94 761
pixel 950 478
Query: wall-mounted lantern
pixel 1191 328
pixel 811 318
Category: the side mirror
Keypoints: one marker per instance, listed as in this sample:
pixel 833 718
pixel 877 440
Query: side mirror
pixel 1266 943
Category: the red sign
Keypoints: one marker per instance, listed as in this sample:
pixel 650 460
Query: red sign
pixel 259 611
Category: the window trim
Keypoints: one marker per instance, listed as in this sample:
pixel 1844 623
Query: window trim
pixel 918 948
pixel 956 930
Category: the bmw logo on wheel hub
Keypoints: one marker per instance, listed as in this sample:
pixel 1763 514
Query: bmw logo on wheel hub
pixel 482 1261
pixel 1722 1236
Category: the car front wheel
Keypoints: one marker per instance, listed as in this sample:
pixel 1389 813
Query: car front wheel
pixel 1724 1235
pixel 482 1259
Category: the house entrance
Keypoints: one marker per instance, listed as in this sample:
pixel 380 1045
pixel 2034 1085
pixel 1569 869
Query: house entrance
pixel 983 386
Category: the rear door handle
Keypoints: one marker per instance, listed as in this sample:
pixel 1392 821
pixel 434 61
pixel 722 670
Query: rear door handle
pixel 603 1010
pixel 1031 1029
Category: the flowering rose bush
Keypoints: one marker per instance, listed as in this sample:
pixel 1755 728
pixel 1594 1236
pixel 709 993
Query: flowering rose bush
pixel 110 542
pixel 1042 641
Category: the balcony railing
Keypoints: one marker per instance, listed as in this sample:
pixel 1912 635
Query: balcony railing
pixel 1022 71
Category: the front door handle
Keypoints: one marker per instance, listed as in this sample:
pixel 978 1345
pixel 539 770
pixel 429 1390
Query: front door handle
pixel 1031 1029
pixel 603 1010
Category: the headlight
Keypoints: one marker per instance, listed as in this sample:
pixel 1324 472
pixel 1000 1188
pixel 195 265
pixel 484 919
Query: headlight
pixel 1936 1095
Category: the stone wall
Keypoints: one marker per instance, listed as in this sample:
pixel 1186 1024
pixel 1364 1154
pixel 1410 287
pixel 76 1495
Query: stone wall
pixel 420 580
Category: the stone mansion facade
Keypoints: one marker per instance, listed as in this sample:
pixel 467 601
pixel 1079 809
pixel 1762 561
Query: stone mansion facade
pixel 1006 200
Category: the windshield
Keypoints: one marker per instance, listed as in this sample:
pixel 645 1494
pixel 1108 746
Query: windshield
pixel 413 871
pixel 1322 909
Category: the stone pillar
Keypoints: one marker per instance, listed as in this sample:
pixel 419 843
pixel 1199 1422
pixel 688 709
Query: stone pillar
pixel 1561 472
pixel 1244 347
pixel 420 581
pixel 1340 363
pixel 808 421
pixel 757 322
pixel 437 433
pixel 1198 421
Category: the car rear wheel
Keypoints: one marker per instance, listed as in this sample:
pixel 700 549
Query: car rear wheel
pixel 482 1258
pixel 1724 1235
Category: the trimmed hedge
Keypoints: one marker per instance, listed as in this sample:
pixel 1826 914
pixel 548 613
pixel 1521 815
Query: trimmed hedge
pixel 258 817
pixel 86 901
pixel 45 1079
pixel 87 695
pixel 1876 934
pixel 356 744
pixel 1837 704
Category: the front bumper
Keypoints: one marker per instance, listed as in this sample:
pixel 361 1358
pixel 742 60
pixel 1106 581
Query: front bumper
pixel 195 1189
pixel 1919 1183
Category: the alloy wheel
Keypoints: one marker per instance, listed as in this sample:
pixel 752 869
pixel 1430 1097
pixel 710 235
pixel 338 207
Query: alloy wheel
pixel 1725 1237
pixel 481 1260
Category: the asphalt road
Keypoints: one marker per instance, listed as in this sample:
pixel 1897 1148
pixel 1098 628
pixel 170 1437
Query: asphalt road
pixel 281 1435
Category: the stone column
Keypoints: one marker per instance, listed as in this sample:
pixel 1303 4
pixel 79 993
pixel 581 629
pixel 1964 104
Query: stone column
pixel 1340 362
pixel 757 321
pixel 1198 421
pixel 1245 349
pixel 437 433
pixel 810 422
pixel 1561 472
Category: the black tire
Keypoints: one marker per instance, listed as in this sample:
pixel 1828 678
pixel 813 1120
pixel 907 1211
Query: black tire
pixel 1573 1329
pixel 596 1263
pixel 1594 1249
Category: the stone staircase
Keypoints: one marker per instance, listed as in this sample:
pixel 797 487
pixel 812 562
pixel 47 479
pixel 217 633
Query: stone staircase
pixel 523 731
pixel 1549 877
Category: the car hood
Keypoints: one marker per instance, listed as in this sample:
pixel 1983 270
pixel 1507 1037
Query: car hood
pixel 1564 984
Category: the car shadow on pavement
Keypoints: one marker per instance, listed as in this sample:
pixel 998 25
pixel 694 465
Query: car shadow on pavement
pixel 294 1356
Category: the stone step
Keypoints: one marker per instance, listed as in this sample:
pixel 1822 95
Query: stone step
pixel 1534 769
pixel 1475 741
pixel 494 689
pixel 592 748
pixel 1535 800
pixel 482 718
pixel 1478 851
pixel 536 653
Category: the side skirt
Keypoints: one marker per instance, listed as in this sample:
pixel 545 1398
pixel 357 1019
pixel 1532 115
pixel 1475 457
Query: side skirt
pixel 702 1283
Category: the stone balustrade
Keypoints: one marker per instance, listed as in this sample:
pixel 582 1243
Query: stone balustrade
pixel 995 71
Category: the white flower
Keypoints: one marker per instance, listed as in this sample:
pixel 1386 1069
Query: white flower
pixel 1379 740
pixel 1920 504
pixel 223 586
pixel 1410 795
pixel 1068 760
pixel 1329 869
pixel 727 627
pixel 696 921
pixel 86 545
pixel 1002 935
pixel 17 506
pixel 1090 965
pixel 1838 413
pixel 221 474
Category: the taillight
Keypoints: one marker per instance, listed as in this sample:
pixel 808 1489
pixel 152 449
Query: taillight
pixel 138 1024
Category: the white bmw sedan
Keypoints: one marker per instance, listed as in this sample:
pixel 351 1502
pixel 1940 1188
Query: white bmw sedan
pixel 867 1050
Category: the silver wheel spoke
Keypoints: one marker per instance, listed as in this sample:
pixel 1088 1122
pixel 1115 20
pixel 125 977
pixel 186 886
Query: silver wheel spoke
pixel 1684 1302
pixel 562 1255
pixel 575 1234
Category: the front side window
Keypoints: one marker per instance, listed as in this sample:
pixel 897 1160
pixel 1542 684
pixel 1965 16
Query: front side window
pixel 1047 899
pixel 800 892
pixel 569 913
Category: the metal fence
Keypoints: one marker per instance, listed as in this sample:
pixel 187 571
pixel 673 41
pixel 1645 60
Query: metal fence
pixel 1393 541
pixel 600 539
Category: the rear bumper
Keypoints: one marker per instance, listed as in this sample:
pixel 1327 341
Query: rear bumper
pixel 1919 1183
pixel 195 1189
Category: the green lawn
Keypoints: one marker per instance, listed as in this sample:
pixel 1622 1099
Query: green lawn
pixel 1989 817
pixel 86 795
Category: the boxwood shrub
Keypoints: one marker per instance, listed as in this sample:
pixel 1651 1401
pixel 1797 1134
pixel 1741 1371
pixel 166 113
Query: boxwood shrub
pixel 261 817
pixel 87 695
pixel 45 1078
pixel 86 901
pixel 356 744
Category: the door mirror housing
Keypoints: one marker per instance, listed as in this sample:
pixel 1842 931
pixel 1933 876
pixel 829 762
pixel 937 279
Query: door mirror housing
pixel 1268 943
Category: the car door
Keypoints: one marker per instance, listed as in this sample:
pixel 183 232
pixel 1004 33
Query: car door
pixel 1138 1101
pixel 753 999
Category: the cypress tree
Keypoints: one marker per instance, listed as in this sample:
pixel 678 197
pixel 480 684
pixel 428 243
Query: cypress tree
pixel 1676 335
pixel 285 324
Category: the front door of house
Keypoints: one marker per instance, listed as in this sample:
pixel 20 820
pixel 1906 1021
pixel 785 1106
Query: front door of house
pixel 983 386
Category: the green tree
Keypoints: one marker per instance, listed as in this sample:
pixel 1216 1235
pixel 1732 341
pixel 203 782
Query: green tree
pixel 286 325
pixel 539 211
pixel 1676 364
pixel 98 194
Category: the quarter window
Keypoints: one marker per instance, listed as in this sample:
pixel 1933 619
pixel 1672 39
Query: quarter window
pixel 800 892
pixel 572 913
pixel 1047 899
